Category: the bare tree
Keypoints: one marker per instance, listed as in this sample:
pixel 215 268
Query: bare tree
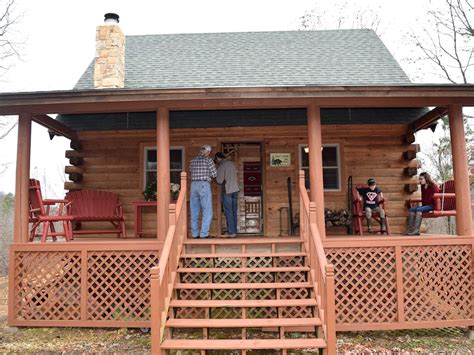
pixel 342 16
pixel 7 204
pixel 9 47
pixel 9 51
pixel 7 124
pixel 447 41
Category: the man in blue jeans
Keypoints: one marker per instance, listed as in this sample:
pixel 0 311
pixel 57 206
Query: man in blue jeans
pixel 227 177
pixel 202 171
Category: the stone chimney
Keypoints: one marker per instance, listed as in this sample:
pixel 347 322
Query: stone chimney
pixel 109 69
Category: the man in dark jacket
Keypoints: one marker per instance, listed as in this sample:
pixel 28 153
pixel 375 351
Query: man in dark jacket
pixel 227 177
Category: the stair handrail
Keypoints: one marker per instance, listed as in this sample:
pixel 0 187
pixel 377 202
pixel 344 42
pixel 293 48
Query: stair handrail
pixel 322 272
pixel 163 276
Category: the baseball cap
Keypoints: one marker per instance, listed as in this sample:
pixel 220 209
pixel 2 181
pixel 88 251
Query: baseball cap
pixel 206 147
pixel 220 155
pixel 371 182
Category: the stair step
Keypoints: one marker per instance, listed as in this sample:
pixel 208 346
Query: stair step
pixel 243 323
pixel 244 269
pixel 243 255
pixel 231 241
pixel 225 286
pixel 243 303
pixel 242 344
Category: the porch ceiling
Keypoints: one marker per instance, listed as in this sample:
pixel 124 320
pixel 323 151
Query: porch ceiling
pixel 239 118
pixel 123 100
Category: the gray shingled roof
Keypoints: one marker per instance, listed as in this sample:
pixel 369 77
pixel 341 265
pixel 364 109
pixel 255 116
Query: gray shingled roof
pixel 291 58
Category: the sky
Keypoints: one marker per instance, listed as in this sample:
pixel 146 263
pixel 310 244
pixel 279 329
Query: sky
pixel 58 43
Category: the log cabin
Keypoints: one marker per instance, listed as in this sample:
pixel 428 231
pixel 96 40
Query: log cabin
pixel 321 108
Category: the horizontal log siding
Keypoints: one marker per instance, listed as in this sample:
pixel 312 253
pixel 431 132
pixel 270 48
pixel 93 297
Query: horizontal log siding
pixel 113 161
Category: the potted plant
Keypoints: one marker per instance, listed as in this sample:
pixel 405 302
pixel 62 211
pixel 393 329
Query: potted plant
pixel 150 191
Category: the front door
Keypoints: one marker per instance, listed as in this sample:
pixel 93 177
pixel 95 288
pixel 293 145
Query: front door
pixel 248 161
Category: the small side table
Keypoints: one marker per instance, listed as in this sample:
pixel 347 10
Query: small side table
pixel 138 206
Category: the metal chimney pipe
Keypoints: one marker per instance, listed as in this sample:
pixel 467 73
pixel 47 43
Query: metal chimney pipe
pixel 111 19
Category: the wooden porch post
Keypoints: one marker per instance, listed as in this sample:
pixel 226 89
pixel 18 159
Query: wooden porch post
pixel 163 171
pixel 20 231
pixel 316 165
pixel 460 170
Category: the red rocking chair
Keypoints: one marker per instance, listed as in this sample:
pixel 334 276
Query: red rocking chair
pixel 40 215
pixel 358 213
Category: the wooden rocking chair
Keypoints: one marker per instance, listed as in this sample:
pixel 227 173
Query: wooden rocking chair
pixel 97 206
pixel 40 215
pixel 358 213
pixel 444 202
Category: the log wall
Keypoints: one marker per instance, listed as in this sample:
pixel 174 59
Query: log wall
pixel 113 160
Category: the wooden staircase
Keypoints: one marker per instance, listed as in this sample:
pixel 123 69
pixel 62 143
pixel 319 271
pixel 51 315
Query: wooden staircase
pixel 243 294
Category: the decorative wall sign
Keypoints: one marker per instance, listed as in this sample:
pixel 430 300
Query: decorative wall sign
pixel 280 159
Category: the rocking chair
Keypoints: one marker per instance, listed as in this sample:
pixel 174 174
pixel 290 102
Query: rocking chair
pixel 358 213
pixel 41 214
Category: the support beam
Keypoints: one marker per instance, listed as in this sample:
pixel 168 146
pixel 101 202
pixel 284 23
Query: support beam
pixel 20 231
pixel 428 119
pixel 460 170
pixel 163 171
pixel 55 126
pixel 316 165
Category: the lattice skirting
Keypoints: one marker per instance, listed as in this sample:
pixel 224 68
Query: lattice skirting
pixel 436 284
pixel 83 286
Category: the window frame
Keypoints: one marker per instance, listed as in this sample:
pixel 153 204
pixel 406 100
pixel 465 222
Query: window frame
pixel 339 165
pixel 146 148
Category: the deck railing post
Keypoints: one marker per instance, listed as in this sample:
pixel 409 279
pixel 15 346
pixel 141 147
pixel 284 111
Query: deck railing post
pixel 302 210
pixel 184 207
pixel 399 281
pixel 460 170
pixel 312 220
pixel 172 215
pixel 330 310
pixel 155 311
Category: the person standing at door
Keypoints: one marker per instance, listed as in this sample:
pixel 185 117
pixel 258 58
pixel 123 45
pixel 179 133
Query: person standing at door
pixel 227 177
pixel 203 171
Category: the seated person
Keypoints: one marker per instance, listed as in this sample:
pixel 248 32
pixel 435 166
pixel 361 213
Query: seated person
pixel 428 189
pixel 372 196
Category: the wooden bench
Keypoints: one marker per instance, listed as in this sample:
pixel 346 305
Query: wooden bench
pixel 444 202
pixel 96 206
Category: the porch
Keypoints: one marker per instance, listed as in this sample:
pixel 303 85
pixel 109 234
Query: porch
pixel 348 283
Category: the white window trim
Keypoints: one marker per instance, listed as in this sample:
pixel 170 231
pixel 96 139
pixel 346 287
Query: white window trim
pixel 151 147
pixel 338 152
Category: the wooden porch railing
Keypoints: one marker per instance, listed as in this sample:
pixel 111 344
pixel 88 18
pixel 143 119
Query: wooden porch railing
pixel 81 284
pixel 322 273
pixel 163 276
pixel 402 282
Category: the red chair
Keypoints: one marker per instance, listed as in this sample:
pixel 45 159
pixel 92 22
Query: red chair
pixel 97 206
pixel 358 213
pixel 444 202
pixel 40 215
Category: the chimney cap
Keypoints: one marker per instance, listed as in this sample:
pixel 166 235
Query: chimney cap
pixel 111 19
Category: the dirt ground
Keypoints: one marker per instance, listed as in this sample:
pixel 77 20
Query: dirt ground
pixel 132 341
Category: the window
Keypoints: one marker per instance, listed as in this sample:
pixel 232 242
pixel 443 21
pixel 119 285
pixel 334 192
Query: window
pixel 176 164
pixel 331 166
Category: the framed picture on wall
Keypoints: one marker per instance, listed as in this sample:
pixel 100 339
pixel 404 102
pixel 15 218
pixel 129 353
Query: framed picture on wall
pixel 280 159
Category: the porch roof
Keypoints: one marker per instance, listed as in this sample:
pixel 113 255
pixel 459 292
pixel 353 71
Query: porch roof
pixel 144 100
